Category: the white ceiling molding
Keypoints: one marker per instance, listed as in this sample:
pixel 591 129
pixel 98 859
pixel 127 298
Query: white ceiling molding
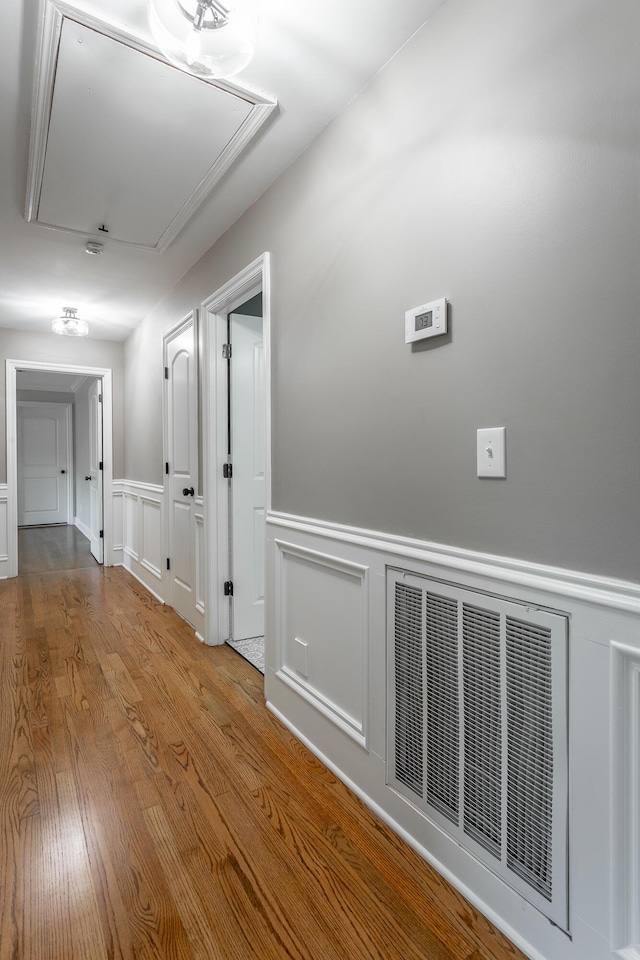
pixel 233 113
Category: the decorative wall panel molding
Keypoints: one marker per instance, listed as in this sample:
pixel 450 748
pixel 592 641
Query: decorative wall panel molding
pixel 118 522
pixel 322 616
pixel 142 511
pixel 625 741
pixel 151 535
pixel 315 569
pixel 4 534
pixel 200 559
pixel 131 526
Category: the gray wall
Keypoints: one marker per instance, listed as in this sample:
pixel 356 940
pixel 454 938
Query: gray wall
pixel 51 348
pixel 494 161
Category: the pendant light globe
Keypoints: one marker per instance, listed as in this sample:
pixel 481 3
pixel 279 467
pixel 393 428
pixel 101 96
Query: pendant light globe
pixel 207 38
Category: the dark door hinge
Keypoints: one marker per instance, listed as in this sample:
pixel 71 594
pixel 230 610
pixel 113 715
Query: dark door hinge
pixel 100 467
pixel 99 398
pixel 102 534
pixel 227 471
pixel 166 373
pixel 168 564
pixel 226 351
pixel 228 588
pixel 166 468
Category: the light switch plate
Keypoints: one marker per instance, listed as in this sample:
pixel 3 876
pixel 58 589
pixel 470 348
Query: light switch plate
pixel 491 452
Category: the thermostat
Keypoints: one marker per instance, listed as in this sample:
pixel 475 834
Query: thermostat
pixel 429 320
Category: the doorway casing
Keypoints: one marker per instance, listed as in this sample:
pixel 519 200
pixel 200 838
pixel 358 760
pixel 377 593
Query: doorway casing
pixel 11 369
pixel 246 284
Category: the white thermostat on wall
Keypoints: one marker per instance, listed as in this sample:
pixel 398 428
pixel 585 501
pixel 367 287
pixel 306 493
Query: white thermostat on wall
pixel 429 320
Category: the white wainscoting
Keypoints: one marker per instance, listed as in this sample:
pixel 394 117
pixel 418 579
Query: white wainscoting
pixel 117 513
pixel 325 678
pixel 4 532
pixel 322 614
pixel 139 508
pixel 625 748
pixel 200 555
pixel 140 540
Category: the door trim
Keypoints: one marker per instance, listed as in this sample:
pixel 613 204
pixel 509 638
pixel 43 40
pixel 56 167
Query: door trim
pixel 253 279
pixel 11 368
pixel 69 450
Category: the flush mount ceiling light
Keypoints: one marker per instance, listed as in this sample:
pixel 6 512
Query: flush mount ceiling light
pixel 70 325
pixel 207 38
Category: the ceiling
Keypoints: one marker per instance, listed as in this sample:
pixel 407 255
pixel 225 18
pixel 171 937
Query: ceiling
pixel 311 60
pixel 50 382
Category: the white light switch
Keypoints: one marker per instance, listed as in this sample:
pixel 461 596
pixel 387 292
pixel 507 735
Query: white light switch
pixel 491 449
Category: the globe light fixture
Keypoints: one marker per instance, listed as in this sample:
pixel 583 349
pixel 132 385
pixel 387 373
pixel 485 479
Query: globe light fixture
pixel 69 325
pixel 207 38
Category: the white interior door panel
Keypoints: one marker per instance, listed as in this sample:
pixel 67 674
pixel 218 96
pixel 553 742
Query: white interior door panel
pixel 96 471
pixel 44 462
pixel 248 427
pixel 182 460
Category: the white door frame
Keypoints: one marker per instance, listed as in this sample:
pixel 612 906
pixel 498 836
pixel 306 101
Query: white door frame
pixel 12 367
pixel 246 284
pixel 30 404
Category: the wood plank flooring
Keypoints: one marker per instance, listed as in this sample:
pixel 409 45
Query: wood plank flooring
pixel 152 808
pixel 56 547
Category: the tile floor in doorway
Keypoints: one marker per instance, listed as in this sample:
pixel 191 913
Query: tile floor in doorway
pixel 251 649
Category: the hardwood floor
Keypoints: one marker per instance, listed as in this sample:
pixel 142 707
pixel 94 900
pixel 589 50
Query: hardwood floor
pixel 57 547
pixel 152 808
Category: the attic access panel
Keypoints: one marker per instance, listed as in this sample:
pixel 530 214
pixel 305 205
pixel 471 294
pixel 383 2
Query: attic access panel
pixel 123 139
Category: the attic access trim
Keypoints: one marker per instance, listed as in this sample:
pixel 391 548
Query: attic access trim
pixel 122 139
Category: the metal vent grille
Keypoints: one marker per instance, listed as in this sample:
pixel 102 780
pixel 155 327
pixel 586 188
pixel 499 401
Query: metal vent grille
pixel 530 760
pixel 443 728
pixel 477 728
pixel 482 727
pixel 409 719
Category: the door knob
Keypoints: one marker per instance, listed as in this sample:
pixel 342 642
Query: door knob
pixel 188 492
pixel 87 478
pixel 63 471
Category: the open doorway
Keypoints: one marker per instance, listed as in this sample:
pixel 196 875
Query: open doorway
pixel 59 470
pixel 246 478
pixel 237 450
pixel 59 465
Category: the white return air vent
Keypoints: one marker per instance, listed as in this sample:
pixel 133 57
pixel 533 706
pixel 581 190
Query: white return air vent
pixel 477 728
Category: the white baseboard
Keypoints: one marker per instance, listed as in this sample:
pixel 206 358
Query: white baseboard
pixel 141 582
pixel 82 527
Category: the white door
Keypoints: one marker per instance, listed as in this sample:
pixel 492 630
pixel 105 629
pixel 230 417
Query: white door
pixel 44 462
pixel 182 470
pixel 94 478
pixel 248 452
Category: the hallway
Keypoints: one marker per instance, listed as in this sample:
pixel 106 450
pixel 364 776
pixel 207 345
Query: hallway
pixel 152 808
pixel 58 547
